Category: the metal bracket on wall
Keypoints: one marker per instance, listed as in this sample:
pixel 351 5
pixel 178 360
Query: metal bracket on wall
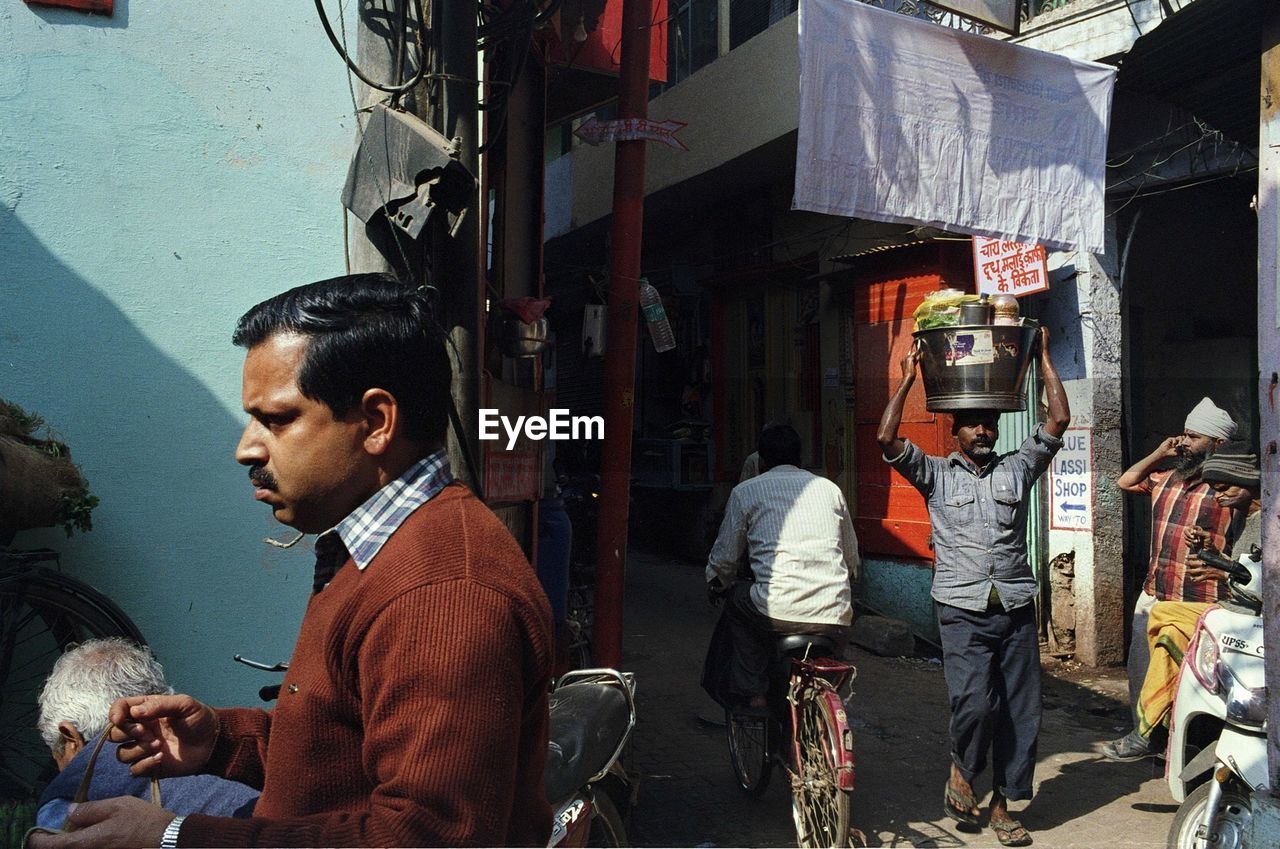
pixel 404 172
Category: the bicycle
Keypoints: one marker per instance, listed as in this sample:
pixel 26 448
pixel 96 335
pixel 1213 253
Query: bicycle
pixel 581 494
pixel 42 613
pixel 806 711
pixel 581 617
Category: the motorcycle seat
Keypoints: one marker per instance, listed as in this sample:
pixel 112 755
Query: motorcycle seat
pixel 588 721
pixel 795 645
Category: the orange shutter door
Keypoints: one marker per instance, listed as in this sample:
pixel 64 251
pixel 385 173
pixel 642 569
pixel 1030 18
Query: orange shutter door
pixel 892 519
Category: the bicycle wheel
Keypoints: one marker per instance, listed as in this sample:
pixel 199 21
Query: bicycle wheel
pixel 820 808
pixel 749 751
pixel 42 612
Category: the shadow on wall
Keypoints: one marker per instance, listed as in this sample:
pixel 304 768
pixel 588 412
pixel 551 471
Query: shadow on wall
pixel 176 536
pixel 1191 295
pixel 1059 310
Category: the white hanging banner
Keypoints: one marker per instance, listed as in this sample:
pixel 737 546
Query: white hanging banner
pixel 906 121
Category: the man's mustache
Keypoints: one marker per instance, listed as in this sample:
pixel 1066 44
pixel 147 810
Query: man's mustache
pixel 261 478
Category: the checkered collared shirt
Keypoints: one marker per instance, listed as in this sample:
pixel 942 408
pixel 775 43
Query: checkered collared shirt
pixel 1176 505
pixel 362 534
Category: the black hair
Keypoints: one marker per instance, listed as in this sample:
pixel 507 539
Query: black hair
pixel 364 331
pixel 962 417
pixel 779 445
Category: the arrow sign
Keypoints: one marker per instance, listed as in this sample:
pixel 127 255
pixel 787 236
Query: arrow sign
pixel 595 131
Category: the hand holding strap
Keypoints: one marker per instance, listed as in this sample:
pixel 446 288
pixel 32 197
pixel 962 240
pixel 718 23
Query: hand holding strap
pixel 82 792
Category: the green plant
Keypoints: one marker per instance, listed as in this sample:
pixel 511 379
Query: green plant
pixel 31 430
pixel 17 421
pixel 77 508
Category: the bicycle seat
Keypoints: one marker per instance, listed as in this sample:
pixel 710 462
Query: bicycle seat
pixel 795 645
pixel 588 721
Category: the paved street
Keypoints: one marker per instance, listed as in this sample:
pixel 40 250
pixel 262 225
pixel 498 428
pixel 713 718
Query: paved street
pixel 687 796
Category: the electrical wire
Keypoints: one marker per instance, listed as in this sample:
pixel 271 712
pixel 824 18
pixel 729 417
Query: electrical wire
pixel 356 110
pixel 397 59
pixel 396 89
pixel 517 69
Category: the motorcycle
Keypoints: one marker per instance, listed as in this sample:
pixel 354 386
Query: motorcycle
pixel 1217 751
pixel 593 712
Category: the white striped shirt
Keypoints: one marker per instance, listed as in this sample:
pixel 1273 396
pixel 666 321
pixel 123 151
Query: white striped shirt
pixel 795 530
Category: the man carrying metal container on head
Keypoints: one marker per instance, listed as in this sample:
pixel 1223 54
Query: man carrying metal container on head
pixel 983 588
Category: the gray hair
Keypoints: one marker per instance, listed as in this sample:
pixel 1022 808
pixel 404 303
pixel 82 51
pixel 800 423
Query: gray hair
pixel 88 678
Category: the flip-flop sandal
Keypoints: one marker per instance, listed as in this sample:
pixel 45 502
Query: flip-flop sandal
pixel 959 806
pixel 1011 833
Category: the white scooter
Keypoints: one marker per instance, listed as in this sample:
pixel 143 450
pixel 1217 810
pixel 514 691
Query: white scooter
pixel 1217 727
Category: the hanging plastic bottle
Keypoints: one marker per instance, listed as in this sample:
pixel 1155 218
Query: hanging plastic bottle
pixel 656 317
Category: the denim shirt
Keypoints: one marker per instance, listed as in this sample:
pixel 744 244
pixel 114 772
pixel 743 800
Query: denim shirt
pixel 979 520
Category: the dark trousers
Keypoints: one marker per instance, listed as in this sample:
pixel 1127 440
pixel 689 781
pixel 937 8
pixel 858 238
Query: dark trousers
pixel 991 661
pixel 752 638
pixel 555 542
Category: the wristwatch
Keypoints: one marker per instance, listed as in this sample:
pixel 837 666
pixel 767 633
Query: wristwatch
pixel 169 840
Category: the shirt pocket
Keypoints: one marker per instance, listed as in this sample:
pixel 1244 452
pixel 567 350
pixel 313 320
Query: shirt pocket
pixel 1007 495
pixel 959 504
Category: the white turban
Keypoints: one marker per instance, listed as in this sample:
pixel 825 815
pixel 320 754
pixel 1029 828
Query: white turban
pixel 1208 420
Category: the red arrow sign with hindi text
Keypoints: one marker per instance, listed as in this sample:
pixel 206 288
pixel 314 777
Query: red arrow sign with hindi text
pixel 595 131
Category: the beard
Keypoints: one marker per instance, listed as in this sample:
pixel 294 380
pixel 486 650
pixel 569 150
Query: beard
pixel 980 453
pixel 1188 466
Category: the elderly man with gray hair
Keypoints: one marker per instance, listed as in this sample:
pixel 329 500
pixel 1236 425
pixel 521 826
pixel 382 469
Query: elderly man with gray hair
pixel 73 714
pixel 1180 501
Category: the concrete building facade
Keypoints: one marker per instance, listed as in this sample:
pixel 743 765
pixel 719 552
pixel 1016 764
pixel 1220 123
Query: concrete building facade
pixel 775 297
pixel 161 171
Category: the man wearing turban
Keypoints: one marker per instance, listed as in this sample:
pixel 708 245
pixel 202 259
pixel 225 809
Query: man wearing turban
pixel 1181 500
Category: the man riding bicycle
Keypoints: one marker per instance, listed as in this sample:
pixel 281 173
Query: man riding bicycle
pixel 794 530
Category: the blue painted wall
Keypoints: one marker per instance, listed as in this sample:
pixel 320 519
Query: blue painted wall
pixel 900 589
pixel 160 172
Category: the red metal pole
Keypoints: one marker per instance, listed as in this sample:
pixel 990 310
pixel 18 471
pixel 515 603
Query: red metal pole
pixel 620 355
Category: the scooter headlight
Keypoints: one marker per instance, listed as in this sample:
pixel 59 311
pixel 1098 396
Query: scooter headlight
pixel 1204 659
pixel 1245 705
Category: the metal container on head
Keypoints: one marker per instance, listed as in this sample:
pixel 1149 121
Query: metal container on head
pixel 976 367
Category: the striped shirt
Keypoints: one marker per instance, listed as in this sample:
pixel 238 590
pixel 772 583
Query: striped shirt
pixel 366 529
pixel 795 531
pixel 1177 505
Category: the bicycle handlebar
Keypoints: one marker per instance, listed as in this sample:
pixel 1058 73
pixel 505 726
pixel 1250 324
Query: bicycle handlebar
pixel 276 667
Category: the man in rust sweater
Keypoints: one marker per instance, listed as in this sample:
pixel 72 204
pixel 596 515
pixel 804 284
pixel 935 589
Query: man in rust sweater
pixel 414 711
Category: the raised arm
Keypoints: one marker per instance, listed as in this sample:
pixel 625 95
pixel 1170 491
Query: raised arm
pixel 1059 409
pixel 891 444
pixel 1135 476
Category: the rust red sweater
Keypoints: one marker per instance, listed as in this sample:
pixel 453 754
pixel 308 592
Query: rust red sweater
pixel 414 712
